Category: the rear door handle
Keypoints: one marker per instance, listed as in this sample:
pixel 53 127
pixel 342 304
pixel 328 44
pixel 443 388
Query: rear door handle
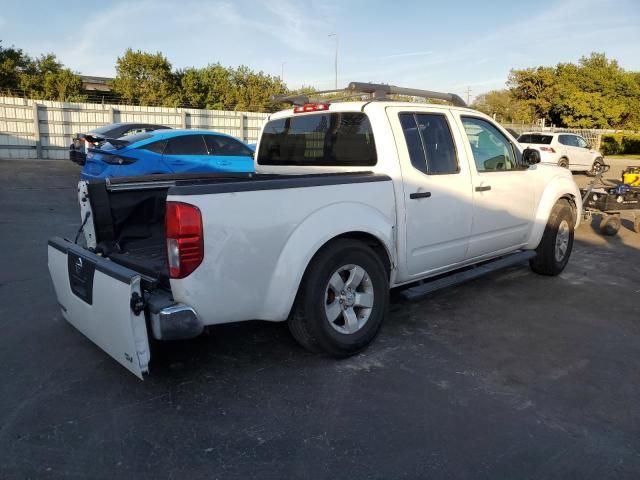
pixel 484 188
pixel 419 195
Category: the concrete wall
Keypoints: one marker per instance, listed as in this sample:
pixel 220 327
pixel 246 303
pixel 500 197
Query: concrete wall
pixel 44 129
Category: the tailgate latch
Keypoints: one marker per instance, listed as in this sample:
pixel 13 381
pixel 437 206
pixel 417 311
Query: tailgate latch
pixel 136 303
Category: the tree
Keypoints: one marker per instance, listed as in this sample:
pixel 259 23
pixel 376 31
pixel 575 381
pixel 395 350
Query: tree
pixel 594 93
pixel 146 79
pixel 504 106
pixel 45 78
pixel 535 87
pixel 12 62
pixel 253 91
pixel 209 87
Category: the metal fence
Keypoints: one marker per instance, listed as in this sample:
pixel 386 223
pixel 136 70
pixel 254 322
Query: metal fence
pixel 45 129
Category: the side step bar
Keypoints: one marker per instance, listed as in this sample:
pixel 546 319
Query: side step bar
pixel 451 279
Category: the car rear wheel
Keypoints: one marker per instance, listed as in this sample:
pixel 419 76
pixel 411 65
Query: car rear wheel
pixel 342 300
pixel 563 162
pixel 554 250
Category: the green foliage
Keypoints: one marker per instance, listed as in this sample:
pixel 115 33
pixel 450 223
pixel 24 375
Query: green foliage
pixel 620 143
pixel 505 106
pixel 41 78
pixel 12 62
pixel 146 78
pixel 595 93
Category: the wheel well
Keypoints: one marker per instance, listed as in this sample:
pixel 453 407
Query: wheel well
pixel 370 240
pixel 572 203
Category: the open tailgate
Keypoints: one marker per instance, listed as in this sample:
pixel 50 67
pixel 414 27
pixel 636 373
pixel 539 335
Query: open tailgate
pixel 97 296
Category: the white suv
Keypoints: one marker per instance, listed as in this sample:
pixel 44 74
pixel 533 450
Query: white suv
pixel 565 149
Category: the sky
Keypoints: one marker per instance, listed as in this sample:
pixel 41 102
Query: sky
pixel 437 45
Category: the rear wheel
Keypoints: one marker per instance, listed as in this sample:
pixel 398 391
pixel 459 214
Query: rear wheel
pixel 553 253
pixel 563 162
pixel 342 300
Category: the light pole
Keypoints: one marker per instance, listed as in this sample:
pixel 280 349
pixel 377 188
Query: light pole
pixel 336 58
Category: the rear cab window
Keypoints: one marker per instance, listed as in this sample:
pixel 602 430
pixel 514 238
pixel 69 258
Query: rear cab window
pixel 327 139
pixel 535 138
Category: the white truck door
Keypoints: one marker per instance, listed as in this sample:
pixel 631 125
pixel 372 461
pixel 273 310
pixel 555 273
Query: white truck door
pixel 503 191
pixel 437 189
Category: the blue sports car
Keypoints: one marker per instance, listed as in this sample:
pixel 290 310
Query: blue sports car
pixel 168 151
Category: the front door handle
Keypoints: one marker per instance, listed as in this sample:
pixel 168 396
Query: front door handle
pixel 484 188
pixel 415 195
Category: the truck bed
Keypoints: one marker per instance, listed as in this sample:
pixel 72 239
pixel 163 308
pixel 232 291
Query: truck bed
pixel 128 212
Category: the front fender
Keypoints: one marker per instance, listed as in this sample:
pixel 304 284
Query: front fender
pixel 556 189
pixel 315 231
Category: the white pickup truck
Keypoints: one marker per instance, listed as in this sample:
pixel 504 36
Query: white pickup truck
pixel 349 200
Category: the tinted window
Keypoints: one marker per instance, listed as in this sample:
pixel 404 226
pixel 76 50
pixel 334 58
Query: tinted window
pixel 157 147
pixel 186 145
pixel 568 140
pixel 431 147
pixel 414 142
pixel 226 146
pixel 105 129
pixel 133 131
pixel 338 139
pixel 535 138
pixel 136 137
pixel 491 149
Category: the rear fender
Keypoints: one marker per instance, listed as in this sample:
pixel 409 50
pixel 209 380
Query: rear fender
pixel 316 230
pixel 557 188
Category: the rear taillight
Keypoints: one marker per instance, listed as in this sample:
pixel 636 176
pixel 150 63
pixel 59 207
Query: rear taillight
pixel 185 239
pixel 547 149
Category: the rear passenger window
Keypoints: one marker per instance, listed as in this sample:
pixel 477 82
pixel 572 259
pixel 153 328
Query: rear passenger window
pixel 329 139
pixel 156 147
pixel 186 145
pixel 566 140
pixel 430 144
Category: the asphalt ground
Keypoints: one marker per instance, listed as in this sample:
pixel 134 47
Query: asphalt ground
pixel 511 376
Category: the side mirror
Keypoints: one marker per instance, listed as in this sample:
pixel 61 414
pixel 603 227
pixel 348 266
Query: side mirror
pixel 530 157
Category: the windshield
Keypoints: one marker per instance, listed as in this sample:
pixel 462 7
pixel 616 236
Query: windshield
pixel 535 138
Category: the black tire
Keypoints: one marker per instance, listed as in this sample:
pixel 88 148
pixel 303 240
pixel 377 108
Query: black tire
pixel 309 323
pixel 546 262
pixel 610 225
pixel 563 162
pixel 598 163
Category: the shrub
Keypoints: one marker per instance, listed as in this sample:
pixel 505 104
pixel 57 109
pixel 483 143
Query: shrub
pixel 620 143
